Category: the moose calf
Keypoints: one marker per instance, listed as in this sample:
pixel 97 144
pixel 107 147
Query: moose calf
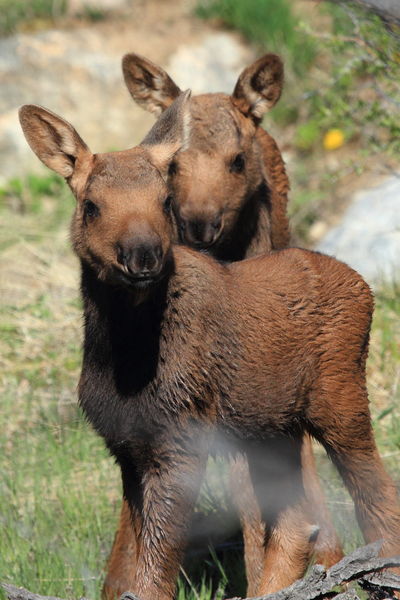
pixel 229 184
pixel 180 350
pixel 229 188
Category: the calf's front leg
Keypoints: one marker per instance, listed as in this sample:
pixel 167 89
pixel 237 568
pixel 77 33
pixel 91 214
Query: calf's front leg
pixel 164 496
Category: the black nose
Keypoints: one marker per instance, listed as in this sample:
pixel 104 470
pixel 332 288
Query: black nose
pixel 201 232
pixel 141 258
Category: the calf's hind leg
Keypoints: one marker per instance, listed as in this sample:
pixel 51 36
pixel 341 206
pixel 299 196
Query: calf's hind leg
pixel 287 543
pixel 121 564
pixel 328 550
pixel 340 419
pixel 288 535
pixel 253 526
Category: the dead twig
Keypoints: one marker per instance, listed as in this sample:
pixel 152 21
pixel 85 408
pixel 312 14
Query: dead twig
pixel 364 565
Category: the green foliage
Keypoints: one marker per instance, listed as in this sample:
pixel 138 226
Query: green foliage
pixel 93 14
pixel 354 87
pixel 13 13
pixel 307 135
pixel 361 93
pixel 268 23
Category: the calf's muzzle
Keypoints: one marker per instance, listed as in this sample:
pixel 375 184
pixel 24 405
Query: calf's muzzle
pixel 141 258
pixel 199 232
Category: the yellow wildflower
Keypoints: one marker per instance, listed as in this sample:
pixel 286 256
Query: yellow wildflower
pixel 333 139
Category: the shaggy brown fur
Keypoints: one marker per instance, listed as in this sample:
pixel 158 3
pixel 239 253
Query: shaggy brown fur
pixel 233 211
pixel 182 352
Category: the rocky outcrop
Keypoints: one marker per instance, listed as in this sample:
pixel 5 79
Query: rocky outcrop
pixel 368 237
pixel 70 73
pixel 213 65
pixel 77 74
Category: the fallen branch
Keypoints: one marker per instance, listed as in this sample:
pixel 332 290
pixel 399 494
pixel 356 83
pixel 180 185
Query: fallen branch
pixel 364 565
pixel 320 583
pixel 388 10
pixel 18 593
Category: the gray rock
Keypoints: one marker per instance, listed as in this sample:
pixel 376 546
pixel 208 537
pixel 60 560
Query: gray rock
pixel 77 74
pixel 387 8
pixel 210 66
pixel 74 75
pixel 76 7
pixel 368 238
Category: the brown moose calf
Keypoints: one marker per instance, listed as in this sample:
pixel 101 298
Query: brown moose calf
pixel 229 188
pixel 180 350
pixel 229 183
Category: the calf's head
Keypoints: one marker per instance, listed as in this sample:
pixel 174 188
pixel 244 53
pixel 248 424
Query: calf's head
pixel 122 226
pixel 214 177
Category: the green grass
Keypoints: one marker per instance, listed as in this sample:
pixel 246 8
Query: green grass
pixel 59 490
pixel 270 24
pixel 14 13
pixel 57 529
pixel 28 15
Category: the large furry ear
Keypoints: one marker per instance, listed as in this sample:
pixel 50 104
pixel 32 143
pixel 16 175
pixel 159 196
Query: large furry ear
pixel 259 87
pixel 170 133
pixel 52 139
pixel 149 85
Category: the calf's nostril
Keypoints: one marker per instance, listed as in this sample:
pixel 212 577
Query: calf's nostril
pixel 216 224
pixel 158 252
pixel 123 255
pixel 197 230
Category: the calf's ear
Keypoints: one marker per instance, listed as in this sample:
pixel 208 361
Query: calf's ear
pixel 259 86
pixel 170 133
pixel 52 139
pixel 149 85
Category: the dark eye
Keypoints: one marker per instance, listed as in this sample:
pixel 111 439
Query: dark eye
pixel 173 168
pixel 90 210
pixel 168 204
pixel 238 163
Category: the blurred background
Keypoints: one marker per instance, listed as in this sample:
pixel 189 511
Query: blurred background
pixel 338 127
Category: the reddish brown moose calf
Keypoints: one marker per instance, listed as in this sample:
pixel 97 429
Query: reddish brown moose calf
pixel 229 184
pixel 181 352
pixel 229 188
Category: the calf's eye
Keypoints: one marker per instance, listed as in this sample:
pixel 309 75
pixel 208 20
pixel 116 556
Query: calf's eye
pixel 90 209
pixel 168 204
pixel 238 163
pixel 173 168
